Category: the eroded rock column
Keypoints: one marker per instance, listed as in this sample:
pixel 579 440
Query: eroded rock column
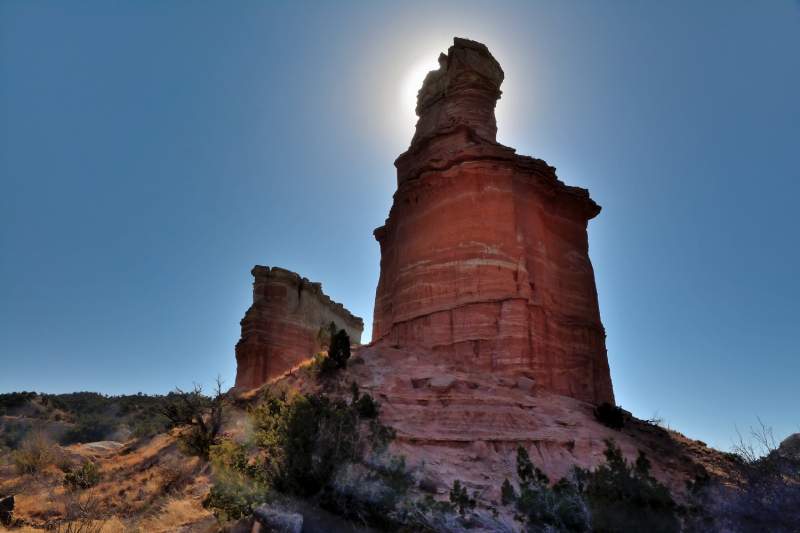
pixel 279 329
pixel 485 254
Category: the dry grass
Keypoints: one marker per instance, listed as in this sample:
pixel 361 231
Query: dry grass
pixel 176 512
pixel 151 488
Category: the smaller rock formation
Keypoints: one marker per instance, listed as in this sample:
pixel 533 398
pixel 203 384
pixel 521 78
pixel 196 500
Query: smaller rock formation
pixel 278 331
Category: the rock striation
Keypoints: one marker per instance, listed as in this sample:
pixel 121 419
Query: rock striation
pixel 279 329
pixel 485 253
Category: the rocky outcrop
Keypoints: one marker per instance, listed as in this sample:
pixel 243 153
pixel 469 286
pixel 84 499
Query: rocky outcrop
pixel 278 331
pixel 484 256
pixel 456 424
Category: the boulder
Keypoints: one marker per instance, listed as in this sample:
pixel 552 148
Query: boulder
pixel 442 384
pixel 278 520
pixel 525 384
pixel 7 510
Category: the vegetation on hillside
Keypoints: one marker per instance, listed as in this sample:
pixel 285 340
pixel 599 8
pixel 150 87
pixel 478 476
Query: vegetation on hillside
pixel 324 445
pixel 82 416
pixel 316 447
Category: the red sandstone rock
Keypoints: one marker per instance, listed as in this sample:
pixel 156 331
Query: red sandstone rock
pixel 471 429
pixel 484 256
pixel 279 329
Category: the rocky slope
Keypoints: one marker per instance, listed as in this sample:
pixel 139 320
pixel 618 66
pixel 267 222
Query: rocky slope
pixel 453 424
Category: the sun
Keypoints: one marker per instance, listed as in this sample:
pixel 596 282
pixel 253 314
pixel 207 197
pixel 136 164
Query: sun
pixel 413 82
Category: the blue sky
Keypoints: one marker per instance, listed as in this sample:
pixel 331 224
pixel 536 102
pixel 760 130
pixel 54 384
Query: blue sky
pixel 152 152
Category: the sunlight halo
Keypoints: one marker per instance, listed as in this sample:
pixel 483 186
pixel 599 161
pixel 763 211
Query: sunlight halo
pixel 413 81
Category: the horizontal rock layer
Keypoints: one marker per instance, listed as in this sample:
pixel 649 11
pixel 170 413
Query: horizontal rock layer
pixel 470 429
pixel 279 329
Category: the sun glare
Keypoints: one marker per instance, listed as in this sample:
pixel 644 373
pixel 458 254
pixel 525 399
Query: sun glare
pixel 414 79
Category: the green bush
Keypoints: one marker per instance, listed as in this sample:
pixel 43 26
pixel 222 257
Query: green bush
pixel 192 441
pixel 617 497
pixel 324 335
pixel 83 478
pixel 64 464
pixel 90 428
pixel 610 415
pixel 625 498
pixel 239 484
pixel 308 445
pixel 366 405
pixel 460 500
pixel 339 349
pixel 319 366
pixel 148 429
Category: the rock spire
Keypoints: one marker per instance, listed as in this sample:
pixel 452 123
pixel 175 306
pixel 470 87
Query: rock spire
pixel 485 253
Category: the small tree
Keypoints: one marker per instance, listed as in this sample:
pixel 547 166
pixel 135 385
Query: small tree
pixel 324 335
pixel 610 415
pixel 339 350
pixel 204 415
pixel 85 477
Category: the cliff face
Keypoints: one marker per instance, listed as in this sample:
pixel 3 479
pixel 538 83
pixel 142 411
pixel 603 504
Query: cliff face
pixel 279 329
pixel 484 256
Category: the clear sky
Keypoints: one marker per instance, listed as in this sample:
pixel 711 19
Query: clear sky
pixel 152 152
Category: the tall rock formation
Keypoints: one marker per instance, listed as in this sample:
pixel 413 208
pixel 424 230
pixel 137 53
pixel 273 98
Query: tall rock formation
pixel 279 329
pixel 485 254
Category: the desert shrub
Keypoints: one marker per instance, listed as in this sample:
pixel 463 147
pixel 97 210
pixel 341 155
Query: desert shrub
pixel 624 497
pixel 35 453
pixel 460 499
pixel 309 445
pixel 304 427
pixel 559 508
pixel 319 366
pixel 11 434
pixel 324 335
pixel 763 492
pixel 339 349
pixel 90 428
pixel 204 416
pixel 84 477
pixel 239 484
pixel 617 497
pixel 143 430
pixel 365 404
pixel 175 473
pixel 234 496
pixel 64 464
pixel 338 344
pixel 458 514
pixel 610 415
